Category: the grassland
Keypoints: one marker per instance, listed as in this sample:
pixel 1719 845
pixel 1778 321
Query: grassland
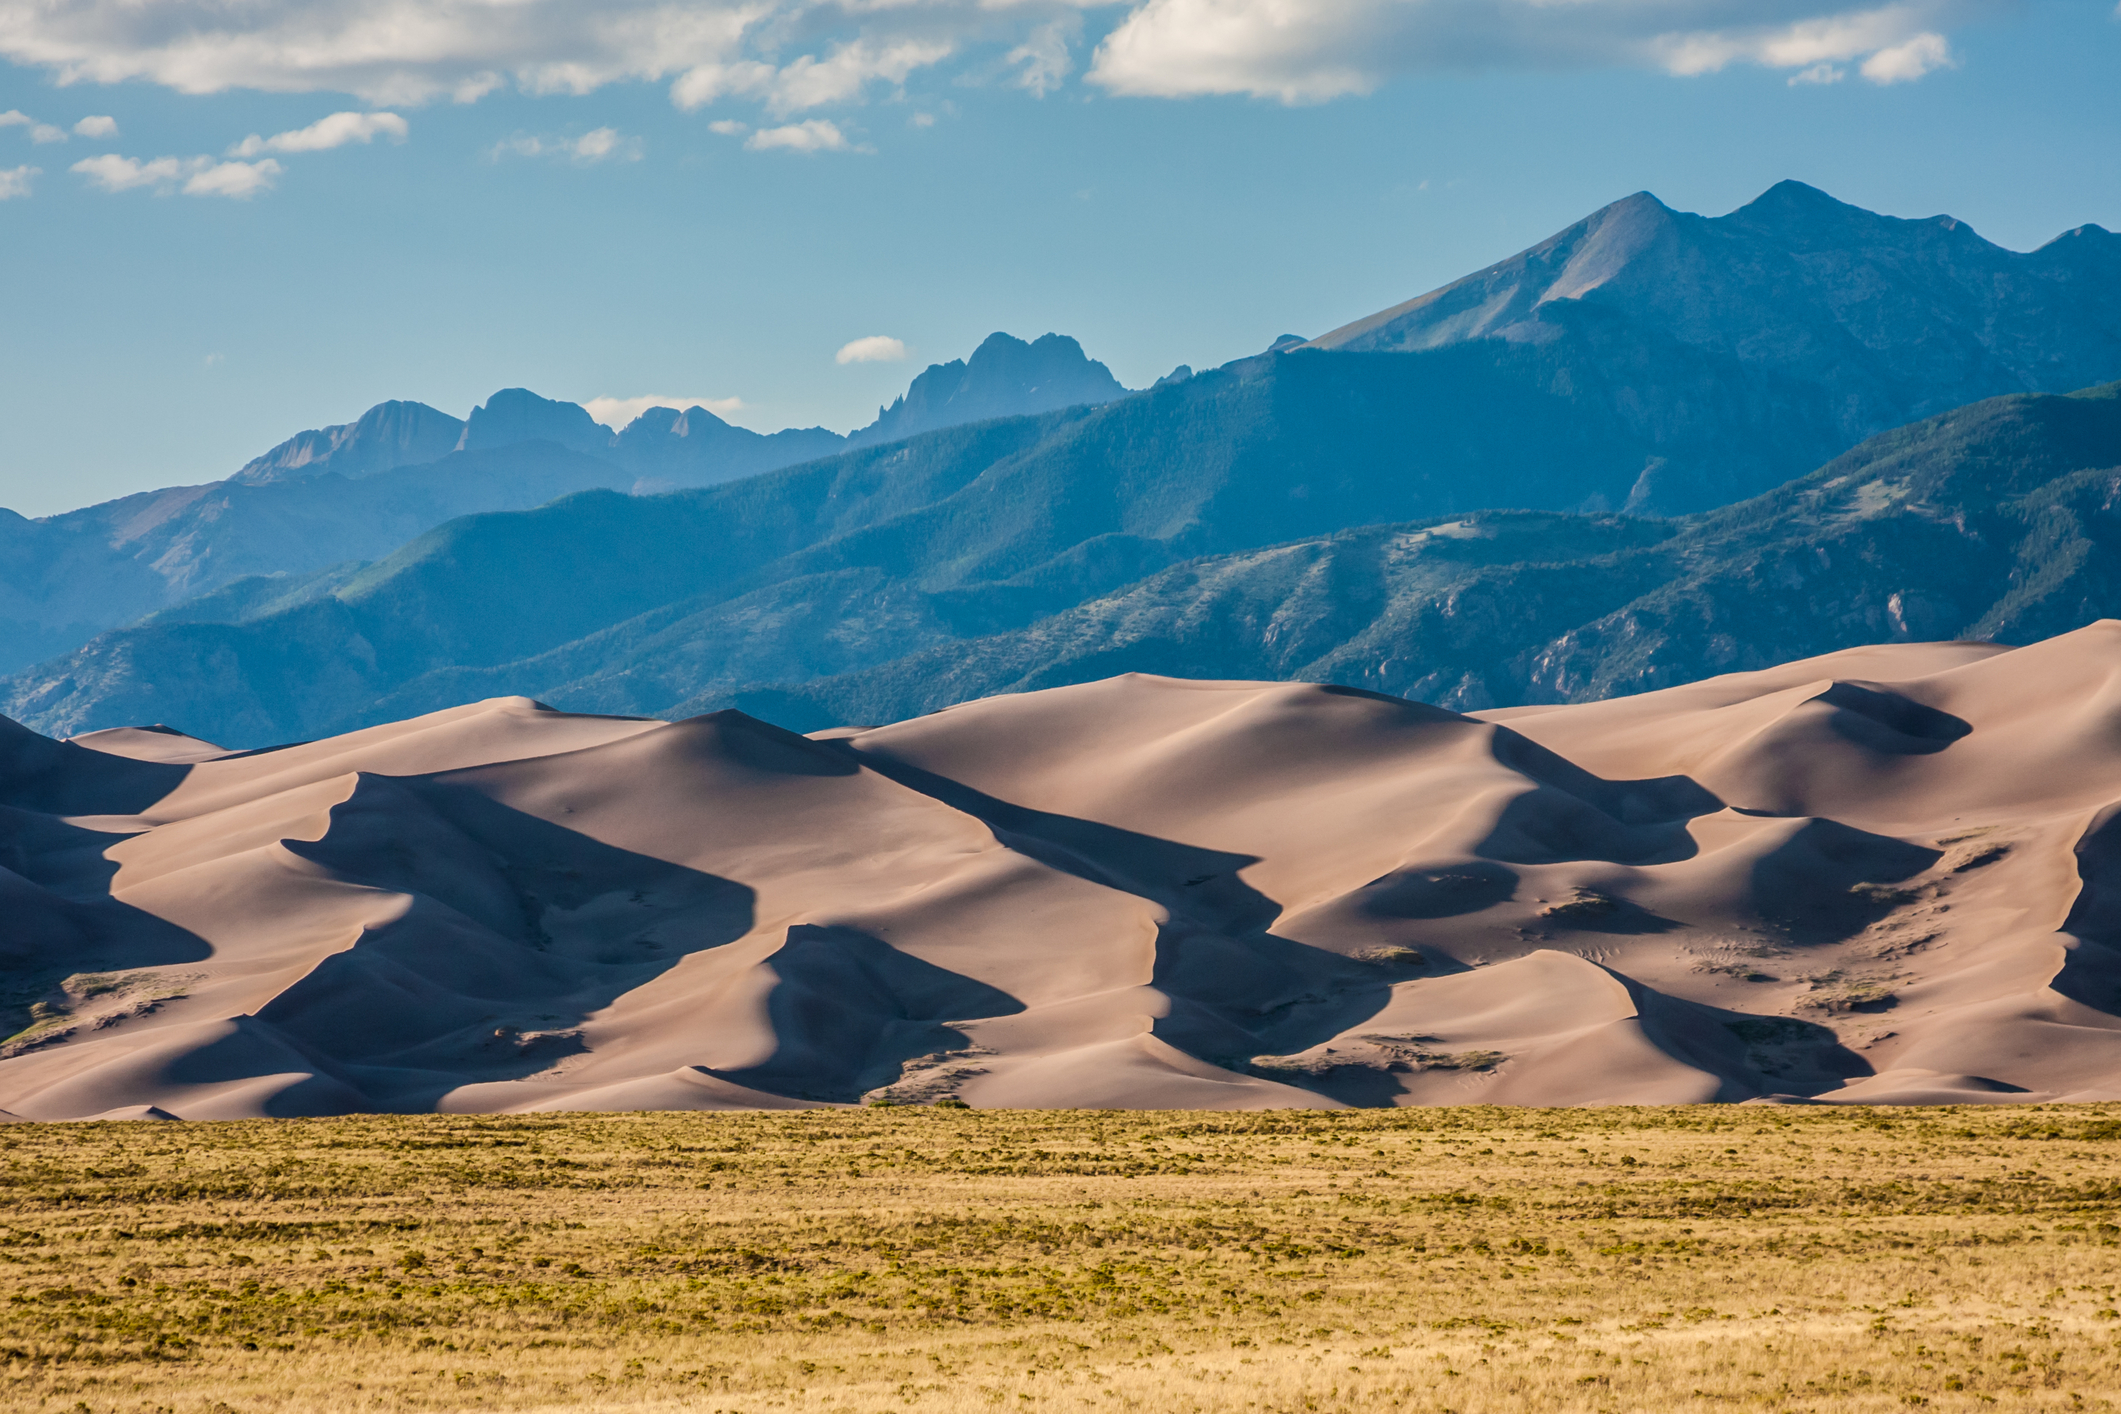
pixel 1471 1260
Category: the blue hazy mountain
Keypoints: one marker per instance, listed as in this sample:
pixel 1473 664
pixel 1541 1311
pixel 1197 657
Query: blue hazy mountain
pixel 1994 521
pixel 1990 521
pixel 1590 375
pixel 388 435
pixel 1004 377
pixel 359 490
pixel 1859 322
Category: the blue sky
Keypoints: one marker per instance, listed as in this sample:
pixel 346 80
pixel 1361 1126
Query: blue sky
pixel 624 198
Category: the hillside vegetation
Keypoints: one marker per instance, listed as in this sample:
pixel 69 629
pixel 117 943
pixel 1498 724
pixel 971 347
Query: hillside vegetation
pixel 925 1259
pixel 1997 521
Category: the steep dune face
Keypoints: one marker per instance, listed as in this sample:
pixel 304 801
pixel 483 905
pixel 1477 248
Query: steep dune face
pixel 1892 874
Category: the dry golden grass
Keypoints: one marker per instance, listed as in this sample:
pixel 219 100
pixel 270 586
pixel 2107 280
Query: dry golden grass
pixel 1474 1260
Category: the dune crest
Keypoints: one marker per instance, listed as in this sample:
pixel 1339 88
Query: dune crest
pixel 1888 875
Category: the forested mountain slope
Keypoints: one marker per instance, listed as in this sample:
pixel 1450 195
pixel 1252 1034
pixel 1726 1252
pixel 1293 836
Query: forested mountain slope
pixel 1997 521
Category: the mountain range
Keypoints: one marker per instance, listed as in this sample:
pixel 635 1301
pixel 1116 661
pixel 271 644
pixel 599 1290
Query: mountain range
pixel 1999 521
pixel 357 491
pixel 1642 361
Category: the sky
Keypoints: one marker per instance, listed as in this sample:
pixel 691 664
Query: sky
pixel 220 225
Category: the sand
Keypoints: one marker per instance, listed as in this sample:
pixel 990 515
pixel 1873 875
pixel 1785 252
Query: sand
pixel 1885 876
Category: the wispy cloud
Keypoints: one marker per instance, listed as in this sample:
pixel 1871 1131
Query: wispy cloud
pixel 337 130
pixel 794 56
pixel 877 348
pixel 14 181
pixel 392 52
pixel 1306 53
pixel 615 413
pixel 194 176
pixel 1044 57
pixel 597 145
pixel 1904 63
pixel 815 135
pixel 97 125
pixel 38 132
pixel 810 81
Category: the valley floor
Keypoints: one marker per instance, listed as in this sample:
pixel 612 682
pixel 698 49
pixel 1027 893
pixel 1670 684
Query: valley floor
pixel 916 1258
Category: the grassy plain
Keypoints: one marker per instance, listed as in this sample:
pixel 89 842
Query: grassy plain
pixel 1473 1260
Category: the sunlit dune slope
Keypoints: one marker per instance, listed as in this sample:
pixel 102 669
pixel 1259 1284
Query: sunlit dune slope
pixel 1885 875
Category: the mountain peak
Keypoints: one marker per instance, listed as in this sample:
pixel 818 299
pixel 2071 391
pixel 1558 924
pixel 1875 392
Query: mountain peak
pixel 1005 377
pixel 518 415
pixel 1804 218
pixel 387 435
pixel 1794 199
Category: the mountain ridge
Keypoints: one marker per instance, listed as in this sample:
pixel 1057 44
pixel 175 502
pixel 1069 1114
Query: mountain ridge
pixel 1996 522
pixel 1917 315
pixel 65 578
pixel 1605 397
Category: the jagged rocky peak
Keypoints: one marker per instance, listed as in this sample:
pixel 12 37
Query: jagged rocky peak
pixel 518 415
pixel 387 435
pixel 1005 377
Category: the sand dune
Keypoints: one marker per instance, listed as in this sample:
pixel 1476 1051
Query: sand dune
pixel 1889 875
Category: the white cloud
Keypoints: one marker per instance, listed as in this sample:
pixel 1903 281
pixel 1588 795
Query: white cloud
pixel 615 413
pixel 114 173
pixel 808 81
pixel 793 53
pixel 337 130
pixel 600 143
pixel 14 181
pixel 841 75
pixel 816 135
pixel 877 348
pixel 194 176
pixel 728 127
pixel 1044 56
pixel 597 145
pixel 794 56
pixel 38 132
pixel 240 180
pixel 1818 73
pixel 1307 51
pixel 1904 63
pixel 97 125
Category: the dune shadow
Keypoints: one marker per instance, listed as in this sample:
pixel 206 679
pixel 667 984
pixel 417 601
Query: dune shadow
pixel 1785 1054
pixel 67 946
pixel 1888 723
pixel 1830 880
pixel 61 778
pixel 1443 891
pixel 1240 988
pixel 519 931
pixel 2091 974
pixel 1200 884
pixel 849 1010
